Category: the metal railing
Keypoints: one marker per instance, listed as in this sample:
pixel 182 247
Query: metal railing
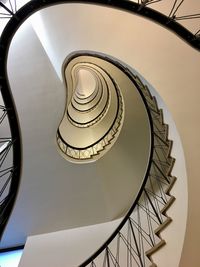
pixel 138 235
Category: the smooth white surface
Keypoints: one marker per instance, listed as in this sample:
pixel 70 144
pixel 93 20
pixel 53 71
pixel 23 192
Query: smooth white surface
pixel 72 247
pixel 174 233
pixel 172 67
pixel 86 83
pixel 55 194
pixel 65 248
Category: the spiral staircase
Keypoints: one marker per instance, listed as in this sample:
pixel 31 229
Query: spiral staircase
pixel 138 235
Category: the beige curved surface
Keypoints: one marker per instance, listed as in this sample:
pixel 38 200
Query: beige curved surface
pixel 161 63
pixel 76 195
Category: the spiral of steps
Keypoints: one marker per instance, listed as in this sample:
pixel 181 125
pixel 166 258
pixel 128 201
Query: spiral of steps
pixel 94 111
pixel 138 236
pixel 138 239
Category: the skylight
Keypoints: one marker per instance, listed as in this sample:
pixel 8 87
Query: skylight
pixel 11 258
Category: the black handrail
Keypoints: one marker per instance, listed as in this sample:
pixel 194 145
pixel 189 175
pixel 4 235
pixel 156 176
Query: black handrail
pixel 124 220
pixel 16 19
pixel 139 8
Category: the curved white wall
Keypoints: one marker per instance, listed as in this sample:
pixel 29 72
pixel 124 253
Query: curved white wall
pixel 88 32
pixel 133 40
pixel 65 248
pixel 72 247
pixel 172 67
pixel 174 233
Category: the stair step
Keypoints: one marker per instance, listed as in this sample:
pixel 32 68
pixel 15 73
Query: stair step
pixel 146 92
pixel 172 181
pixel 152 104
pixel 161 130
pixel 155 248
pixel 165 166
pixel 162 145
pixel 162 226
pixel 168 204
pixel 158 116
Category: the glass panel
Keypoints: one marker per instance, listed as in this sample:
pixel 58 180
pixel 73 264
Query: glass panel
pixel 11 258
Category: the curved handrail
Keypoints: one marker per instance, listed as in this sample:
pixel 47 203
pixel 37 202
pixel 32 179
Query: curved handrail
pixel 127 217
pixel 16 20
pixel 140 8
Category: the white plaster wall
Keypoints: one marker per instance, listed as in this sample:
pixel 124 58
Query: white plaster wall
pixel 55 194
pixel 133 40
pixel 174 233
pixel 72 247
pixel 161 61
pixel 65 248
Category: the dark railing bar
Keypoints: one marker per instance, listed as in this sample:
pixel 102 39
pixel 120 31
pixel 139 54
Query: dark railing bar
pixel 186 18
pixel 160 178
pixel 159 198
pixel 15 3
pixel 11 6
pixel 3 188
pixel 154 209
pixel 113 258
pixel 3 116
pixel 3 141
pixel 164 150
pixel 107 257
pixel 141 241
pixel 5 172
pixel 196 34
pixel 165 176
pixel 6 8
pixel 163 141
pixel 147 211
pixel 5 14
pixel 142 232
pixel 128 245
pixel 165 163
pixel 4 17
pixel 172 8
pixel 134 256
pixel 149 221
pixel 153 2
pixel 129 239
pixel 136 244
pixel 156 205
pixel 177 7
pixel 164 168
pixel 163 196
pixel 197 15
pixel 3 156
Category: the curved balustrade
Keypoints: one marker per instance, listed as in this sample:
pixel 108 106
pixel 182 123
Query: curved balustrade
pixel 93 121
pixel 146 8
pixel 138 235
